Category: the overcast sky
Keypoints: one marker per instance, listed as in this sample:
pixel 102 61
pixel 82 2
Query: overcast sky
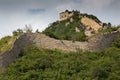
pixel 15 14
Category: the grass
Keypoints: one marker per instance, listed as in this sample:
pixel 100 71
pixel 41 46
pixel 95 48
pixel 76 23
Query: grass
pixel 6 43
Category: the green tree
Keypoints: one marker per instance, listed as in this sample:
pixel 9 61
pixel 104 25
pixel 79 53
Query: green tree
pixel 116 43
pixel 37 31
pixel 17 32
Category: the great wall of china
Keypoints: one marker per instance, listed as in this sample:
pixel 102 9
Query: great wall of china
pixel 99 42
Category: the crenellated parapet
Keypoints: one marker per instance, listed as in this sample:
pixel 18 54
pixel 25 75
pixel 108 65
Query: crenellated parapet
pixel 66 14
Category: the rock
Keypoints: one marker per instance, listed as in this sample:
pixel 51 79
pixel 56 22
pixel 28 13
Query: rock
pixel 118 30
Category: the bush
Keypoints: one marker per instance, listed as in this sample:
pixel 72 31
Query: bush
pixel 5 43
pixel 59 30
pixel 39 64
pixel 116 42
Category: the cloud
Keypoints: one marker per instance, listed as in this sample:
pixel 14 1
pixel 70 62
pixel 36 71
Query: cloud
pixel 100 4
pixel 65 6
pixel 86 5
pixel 36 11
pixel 39 13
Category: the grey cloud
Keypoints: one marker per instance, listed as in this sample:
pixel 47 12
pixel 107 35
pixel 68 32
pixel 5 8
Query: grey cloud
pixel 115 5
pixel 19 5
pixel 14 12
pixel 94 4
pixel 36 11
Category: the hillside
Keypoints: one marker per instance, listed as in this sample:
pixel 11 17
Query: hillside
pixel 97 43
pixel 38 64
pixel 90 22
pixel 77 47
pixel 6 43
pixel 78 27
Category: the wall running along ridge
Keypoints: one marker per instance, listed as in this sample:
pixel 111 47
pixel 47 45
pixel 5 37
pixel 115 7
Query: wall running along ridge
pixel 99 42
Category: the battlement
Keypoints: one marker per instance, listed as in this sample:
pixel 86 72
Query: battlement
pixel 67 14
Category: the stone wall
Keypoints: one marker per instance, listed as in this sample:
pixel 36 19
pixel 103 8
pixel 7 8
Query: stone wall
pixel 39 40
pixel 99 42
pixel 9 56
pixel 103 41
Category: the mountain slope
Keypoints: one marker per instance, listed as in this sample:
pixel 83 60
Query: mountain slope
pixel 77 47
pixel 74 27
pixel 89 22
pixel 6 43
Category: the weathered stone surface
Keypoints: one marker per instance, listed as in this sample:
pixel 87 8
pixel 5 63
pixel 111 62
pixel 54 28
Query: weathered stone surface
pixel 89 22
pixel 9 56
pixel 101 42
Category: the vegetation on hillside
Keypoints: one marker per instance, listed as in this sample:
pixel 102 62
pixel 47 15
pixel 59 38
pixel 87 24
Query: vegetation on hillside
pixel 27 29
pixel 6 43
pixel 91 17
pixel 42 64
pixel 109 29
pixel 66 29
pixel 116 42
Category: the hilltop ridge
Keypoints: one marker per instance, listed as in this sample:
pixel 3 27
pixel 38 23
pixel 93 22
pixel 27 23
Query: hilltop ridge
pixel 73 25
pixel 66 35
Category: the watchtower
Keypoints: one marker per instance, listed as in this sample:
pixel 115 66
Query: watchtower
pixel 67 14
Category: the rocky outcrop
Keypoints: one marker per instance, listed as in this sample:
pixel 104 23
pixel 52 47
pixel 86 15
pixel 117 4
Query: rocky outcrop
pixel 91 23
pixel 99 42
